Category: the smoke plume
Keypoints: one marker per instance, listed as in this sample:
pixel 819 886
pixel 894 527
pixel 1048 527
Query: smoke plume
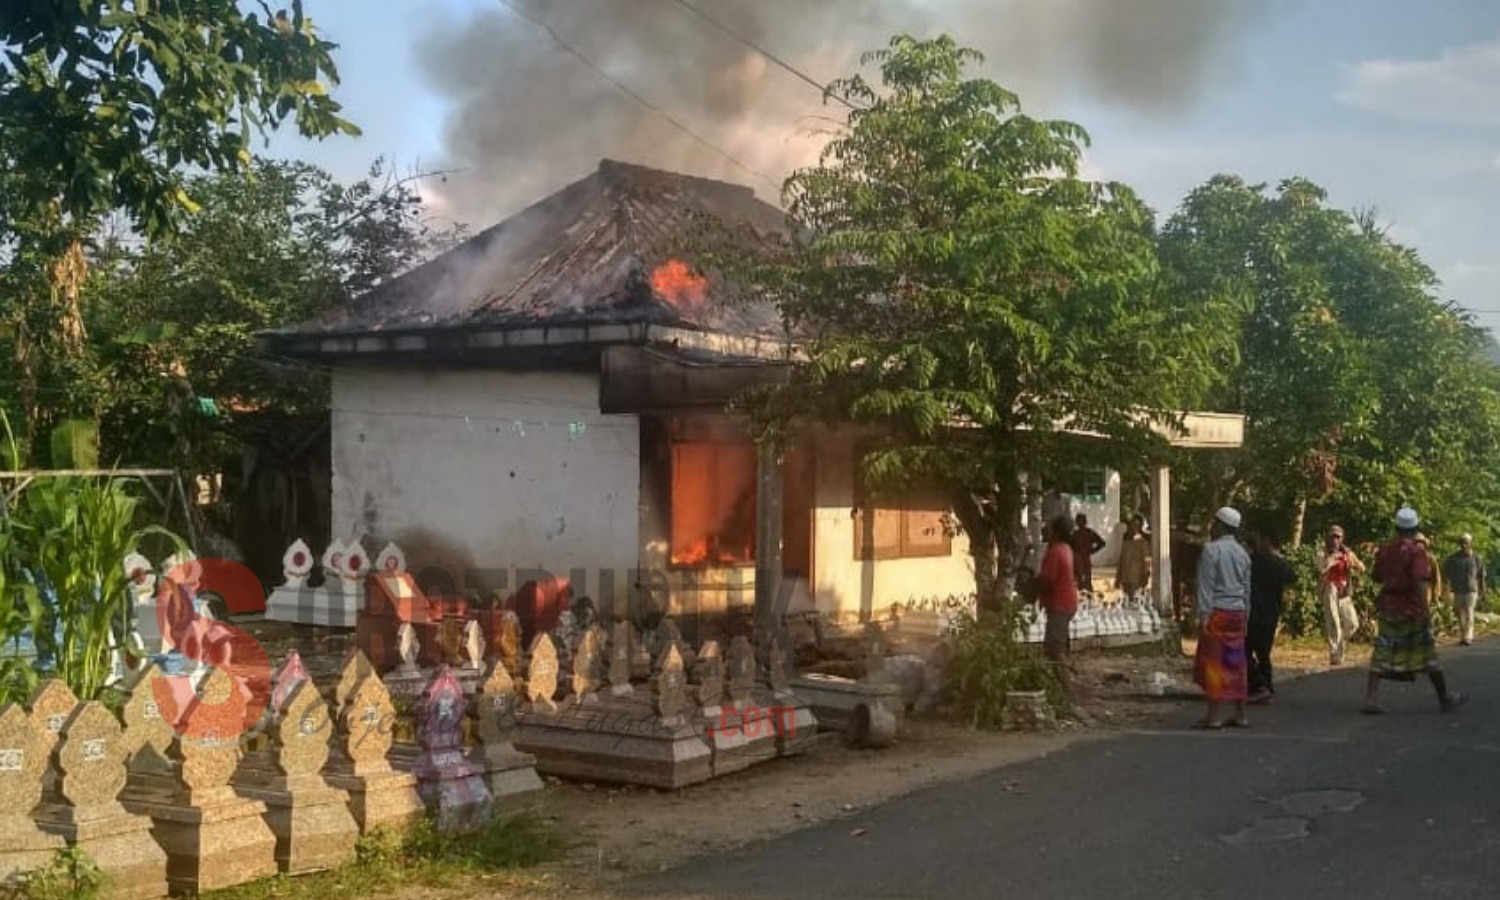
pixel 526 116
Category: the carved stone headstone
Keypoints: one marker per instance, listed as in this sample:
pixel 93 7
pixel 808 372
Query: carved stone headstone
pixel 779 672
pixel 620 649
pixel 297 564
pixel 474 645
pixel 670 687
pixel 291 674
pixel 379 796
pixel 510 774
pixel 587 661
pixel 708 671
pixel 50 706
pixel 213 837
pixel 407 647
pixel 542 673
pixel 92 759
pixel 451 784
pixel 23 846
pixel 510 641
pixel 741 669
pixel 147 735
pixel 312 823
pixel 391 560
pixel 353 673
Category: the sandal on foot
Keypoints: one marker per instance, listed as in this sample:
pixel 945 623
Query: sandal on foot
pixel 1237 723
pixel 1373 709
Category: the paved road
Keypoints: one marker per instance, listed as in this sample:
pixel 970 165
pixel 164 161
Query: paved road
pixel 1315 801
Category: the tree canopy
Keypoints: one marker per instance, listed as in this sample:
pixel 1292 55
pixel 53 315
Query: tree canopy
pixel 961 286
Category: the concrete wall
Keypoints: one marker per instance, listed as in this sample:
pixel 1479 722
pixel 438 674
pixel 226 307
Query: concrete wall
pixel 844 585
pixel 488 470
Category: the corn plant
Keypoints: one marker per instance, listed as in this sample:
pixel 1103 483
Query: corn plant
pixel 65 541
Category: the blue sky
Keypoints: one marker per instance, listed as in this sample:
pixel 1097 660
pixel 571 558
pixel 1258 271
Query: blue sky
pixel 1392 105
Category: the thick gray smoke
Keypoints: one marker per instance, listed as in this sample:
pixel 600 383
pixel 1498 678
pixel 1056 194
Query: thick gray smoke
pixel 527 116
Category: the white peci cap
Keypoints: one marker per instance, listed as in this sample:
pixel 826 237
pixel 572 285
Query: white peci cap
pixel 1229 516
pixel 1406 517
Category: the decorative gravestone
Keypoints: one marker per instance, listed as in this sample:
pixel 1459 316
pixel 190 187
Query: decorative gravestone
pixel 542 674
pixel 587 661
pixel 92 758
pixel 148 735
pixel 619 659
pixel 450 783
pixel 50 706
pixel 297 564
pixel 779 673
pixel 213 837
pixel 23 846
pixel 510 774
pixel 407 648
pixel 333 562
pixel 873 647
pixel 741 670
pixel 379 796
pixel 291 674
pixel 391 560
pixel 311 820
pixel 669 696
pixel 510 641
pixel 474 646
pixel 355 669
pixel 668 633
pixel 709 673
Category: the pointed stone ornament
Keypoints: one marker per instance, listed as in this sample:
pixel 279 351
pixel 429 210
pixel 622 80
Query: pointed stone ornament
pixel 510 641
pixel 333 561
pixel 356 563
pixel 669 695
pixel 23 846
pixel 391 560
pixel 147 735
pixel 474 645
pixel 355 669
pixel 741 669
pixel 708 671
pixel 142 577
pixel 213 837
pixel 292 673
pixel 587 660
pixel 379 796
pixel 50 706
pixel 510 774
pixel 621 646
pixel 297 563
pixel 542 674
pixel 452 785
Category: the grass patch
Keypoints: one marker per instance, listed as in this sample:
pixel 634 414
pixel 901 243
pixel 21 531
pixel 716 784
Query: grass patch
pixel 390 860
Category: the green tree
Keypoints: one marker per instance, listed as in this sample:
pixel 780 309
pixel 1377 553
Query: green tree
pixel 961 287
pixel 104 104
pixel 1361 388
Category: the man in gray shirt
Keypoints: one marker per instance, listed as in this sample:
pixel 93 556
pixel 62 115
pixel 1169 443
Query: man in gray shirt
pixel 1464 572
pixel 1223 588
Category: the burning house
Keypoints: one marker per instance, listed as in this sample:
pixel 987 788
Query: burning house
pixel 546 405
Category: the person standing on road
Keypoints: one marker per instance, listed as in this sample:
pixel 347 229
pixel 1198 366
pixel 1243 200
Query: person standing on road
pixel 1223 588
pixel 1405 646
pixel 1464 572
pixel 1337 565
pixel 1270 576
pixel 1133 572
pixel 1057 591
pixel 1086 542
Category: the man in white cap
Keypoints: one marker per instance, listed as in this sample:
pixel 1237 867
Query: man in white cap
pixel 1464 572
pixel 1223 594
pixel 1405 646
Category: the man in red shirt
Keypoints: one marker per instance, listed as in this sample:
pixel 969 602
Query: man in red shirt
pixel 1405 646
pixel 1058 592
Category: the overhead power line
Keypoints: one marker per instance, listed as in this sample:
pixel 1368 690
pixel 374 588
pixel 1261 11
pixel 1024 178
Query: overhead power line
pixel 624 89
pixel 732 34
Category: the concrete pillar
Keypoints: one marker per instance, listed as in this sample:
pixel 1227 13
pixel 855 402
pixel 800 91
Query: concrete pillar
pixel 769 619
pixel 1161 540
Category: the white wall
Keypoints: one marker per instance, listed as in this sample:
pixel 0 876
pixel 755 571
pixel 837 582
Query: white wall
pixel 488 469
pixel 839 579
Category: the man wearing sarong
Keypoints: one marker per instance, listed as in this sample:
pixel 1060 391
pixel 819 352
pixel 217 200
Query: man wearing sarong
pixel 1337 565
pixel 1223 589
pixel 1405 646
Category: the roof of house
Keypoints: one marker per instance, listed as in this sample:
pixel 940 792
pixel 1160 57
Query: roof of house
pixel 613 248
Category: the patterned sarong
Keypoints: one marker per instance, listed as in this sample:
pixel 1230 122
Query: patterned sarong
pixel 1404 648
pixel 1219 666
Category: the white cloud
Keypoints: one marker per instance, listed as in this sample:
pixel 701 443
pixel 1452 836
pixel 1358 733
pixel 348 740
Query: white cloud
pixel 1460 86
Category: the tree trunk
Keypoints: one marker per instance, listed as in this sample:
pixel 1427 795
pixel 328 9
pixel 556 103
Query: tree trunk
pixel 992 521
pixel 1299 520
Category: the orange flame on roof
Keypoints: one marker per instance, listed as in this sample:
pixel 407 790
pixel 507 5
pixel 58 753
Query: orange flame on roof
pixel 675 282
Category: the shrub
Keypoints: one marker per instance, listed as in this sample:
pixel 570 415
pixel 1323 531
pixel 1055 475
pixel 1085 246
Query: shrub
pixel 990 661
